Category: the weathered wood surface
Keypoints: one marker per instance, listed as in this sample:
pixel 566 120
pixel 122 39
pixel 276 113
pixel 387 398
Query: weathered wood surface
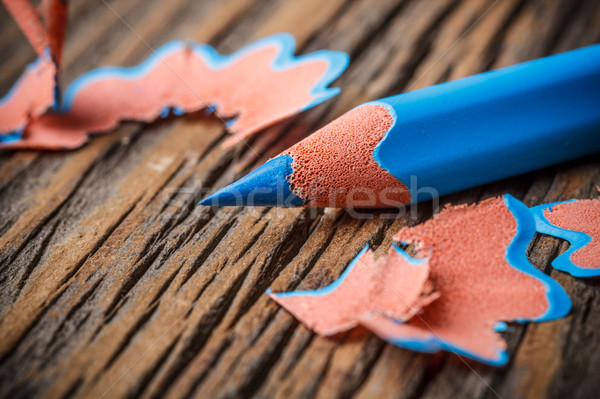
pixel 113 283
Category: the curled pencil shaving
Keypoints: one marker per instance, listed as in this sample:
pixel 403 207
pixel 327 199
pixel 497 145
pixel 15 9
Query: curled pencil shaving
pixel 35 91
pixel 480 267
pixel 29 98
pixel 476 260
pixel 577 221
pixel 255 87
pixel 28 19
pixel 393 286
pixel 54 15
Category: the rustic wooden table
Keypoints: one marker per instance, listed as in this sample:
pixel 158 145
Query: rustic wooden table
pixel 114 283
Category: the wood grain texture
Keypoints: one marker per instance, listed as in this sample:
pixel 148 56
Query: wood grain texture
pixel 113 283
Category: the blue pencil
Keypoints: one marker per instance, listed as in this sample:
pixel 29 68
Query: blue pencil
pixel 438 140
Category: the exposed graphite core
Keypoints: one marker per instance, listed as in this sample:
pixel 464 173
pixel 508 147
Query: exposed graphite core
pixel 265 186
pixel 452 136
pixel 334 167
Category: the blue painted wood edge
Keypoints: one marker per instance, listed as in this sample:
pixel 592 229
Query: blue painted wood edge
pixel 493 125
pixel 559 303
pixel 336 61
pixel 577 239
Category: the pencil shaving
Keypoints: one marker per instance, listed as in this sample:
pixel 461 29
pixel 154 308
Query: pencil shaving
pixel 393 286
pixel 577 221
pixel 253 88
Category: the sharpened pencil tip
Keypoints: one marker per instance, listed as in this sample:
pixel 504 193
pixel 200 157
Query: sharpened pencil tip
pixel 265 186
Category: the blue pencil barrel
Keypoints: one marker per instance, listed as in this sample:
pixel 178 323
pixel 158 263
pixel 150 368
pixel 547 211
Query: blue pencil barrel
pixel 496 124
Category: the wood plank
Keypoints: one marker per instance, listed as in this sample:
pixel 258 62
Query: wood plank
pixel 113 283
